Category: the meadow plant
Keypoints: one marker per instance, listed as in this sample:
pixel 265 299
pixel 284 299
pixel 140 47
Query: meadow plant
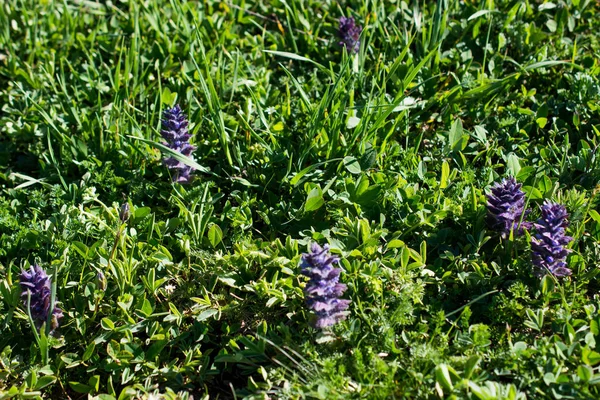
pixel 549 253
pixel 36 283
pixel 349 33
pixel 176 134
pixel 323 290
pixel 506 205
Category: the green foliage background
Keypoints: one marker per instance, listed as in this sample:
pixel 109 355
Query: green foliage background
pixel 386 155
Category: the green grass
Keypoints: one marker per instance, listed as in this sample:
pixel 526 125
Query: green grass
pixel 386 155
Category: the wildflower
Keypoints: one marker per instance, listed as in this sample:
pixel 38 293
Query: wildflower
pixel 548 244
pixel 349 32
pixel 124 212
pixel 36 283
pixel 323 289
pixel 176 134
pixel 169 289
pixel 506 205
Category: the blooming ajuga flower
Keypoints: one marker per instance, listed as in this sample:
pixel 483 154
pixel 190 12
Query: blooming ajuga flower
pixel 548 244
pixel 350 33
pixel 506 205
pixel 37 282
pixel 176 134
pixel 323 290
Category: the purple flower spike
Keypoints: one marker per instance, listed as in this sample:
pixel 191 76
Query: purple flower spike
pixel 548 244
pixel 506 205
pixel 349 34
pixel 176 134
pixel 323 290
pixel 37 282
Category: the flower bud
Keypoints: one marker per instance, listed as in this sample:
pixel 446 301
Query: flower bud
pixel 101 281
pixel 124 213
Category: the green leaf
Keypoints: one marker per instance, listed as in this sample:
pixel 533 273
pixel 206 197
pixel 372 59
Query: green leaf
pixel 590 357
pixel 470 366
pixel 107 324
pixel 89 351
pixel 141 212
pixel 542 115
pixel 533 193
pixel 167 97
pixel 44 381
pixel 513 164
pixel 315 200
pixel 369 158
pixel 293 56
pixel 94 382
pixel 456 133
pixel 395 243
pixel 296 179
pixel 146 308
pixel 352 165
pixel 480 13
pixel 445 175
pixel 442 376
pixel 215 235
pixel 206 314
pixel 595 216
pixel 175 154
pixel 585 372
pixel 525 173
pixel 80 387
pixel 549 63
pixel 547 285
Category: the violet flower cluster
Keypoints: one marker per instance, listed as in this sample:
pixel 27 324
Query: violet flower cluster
pixel 506 206
pixel 549 253
pixel 323 290
pixel 349 33
pixel 36 283
pixel 176 134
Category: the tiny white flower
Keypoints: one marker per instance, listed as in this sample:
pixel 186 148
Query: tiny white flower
pixel 169 288
pixel 270 110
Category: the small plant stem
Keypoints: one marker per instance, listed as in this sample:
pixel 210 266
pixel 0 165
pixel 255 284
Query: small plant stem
pixel 36 335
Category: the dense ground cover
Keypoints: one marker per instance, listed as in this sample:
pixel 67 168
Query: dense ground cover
pixel 386 154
